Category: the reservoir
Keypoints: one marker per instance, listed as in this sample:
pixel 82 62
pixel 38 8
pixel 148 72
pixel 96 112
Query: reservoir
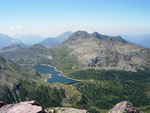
pixel 56 76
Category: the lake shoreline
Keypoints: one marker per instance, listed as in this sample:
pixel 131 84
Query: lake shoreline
pixel 61 73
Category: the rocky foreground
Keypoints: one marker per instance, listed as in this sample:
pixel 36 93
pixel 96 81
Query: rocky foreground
pixel 34 107
pixel 124 107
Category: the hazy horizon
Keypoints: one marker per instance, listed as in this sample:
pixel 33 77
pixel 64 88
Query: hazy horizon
pixel 51 18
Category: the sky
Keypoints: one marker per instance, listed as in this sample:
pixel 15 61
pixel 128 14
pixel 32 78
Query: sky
pixel 52 17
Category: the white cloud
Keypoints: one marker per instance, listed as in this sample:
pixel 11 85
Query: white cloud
pixel 17 27
pixel 11 28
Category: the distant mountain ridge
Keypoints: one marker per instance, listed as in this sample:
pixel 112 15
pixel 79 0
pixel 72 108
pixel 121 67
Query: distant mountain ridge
pixel 34 54
pixel 11 47
pixel 51 42
pixel 29 39
pixel 6 40
pixel 141 40
pixel 85 51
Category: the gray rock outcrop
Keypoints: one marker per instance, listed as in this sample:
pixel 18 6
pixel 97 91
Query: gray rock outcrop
pixel 124 107
pixel 34 107
pixel 22 107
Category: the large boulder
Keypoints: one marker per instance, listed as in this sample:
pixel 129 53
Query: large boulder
pixel 22 107
pixel 124 107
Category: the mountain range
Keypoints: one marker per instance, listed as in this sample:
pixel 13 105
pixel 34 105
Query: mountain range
pixel 140 40
pixel 31 55
pixel 110 70
pixel 87 51
pixel 5 40
pixel 51 42
pixel 29 39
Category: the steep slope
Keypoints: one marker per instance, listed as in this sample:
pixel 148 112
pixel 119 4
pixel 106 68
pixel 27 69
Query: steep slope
pixel 102 52
pixel 18 84
pixel 11 72
pixel 5 40
pixel 51 42
pixel 31 55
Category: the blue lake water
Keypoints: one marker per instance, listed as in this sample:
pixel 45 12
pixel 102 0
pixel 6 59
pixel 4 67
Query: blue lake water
pixel 55 75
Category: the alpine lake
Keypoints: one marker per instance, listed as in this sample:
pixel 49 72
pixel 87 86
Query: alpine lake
pixel 56 76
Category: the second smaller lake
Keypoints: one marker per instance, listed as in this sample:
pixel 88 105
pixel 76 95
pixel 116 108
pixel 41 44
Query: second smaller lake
pixel 56 76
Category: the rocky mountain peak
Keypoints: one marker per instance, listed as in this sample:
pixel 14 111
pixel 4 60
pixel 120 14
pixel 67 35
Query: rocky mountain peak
pixel 85 35
pixel 78 35
pixel 99 36
pixel 81 34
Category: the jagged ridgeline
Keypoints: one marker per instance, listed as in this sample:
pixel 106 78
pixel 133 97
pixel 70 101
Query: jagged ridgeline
pixel 85 51
pixel 95 51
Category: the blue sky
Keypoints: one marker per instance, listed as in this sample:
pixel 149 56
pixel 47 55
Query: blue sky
pixel 52 17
